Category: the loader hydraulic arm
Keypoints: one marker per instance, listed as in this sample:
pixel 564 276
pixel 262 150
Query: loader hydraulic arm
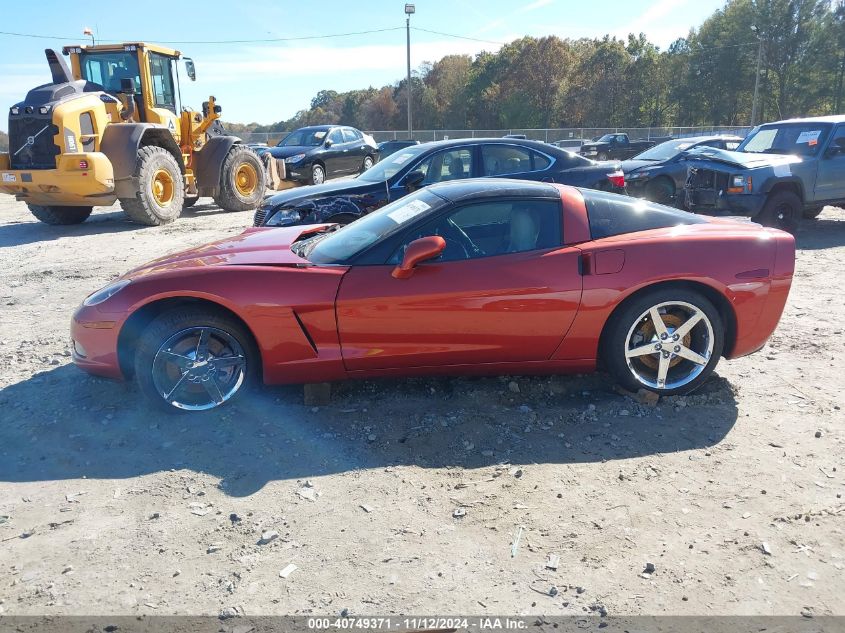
pixel 211 112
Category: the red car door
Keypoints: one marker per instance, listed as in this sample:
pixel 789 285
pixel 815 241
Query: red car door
pixel 479 308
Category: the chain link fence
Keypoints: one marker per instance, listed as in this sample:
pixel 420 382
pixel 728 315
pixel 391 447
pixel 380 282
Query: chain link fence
pixel 549 135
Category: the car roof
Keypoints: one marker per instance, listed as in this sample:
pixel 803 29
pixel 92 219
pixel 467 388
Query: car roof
pixel 834 118
pixel 475 188
pixel 318 127
pixel 538 145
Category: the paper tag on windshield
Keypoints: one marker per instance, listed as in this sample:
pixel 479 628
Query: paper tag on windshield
pixel 402 158
pixel 811 137
pixel 408 211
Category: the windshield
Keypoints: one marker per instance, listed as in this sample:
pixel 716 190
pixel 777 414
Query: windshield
pixel 108 68
pixel 607 138
pixel 664 151
pixel 390 166
pixel 304 138
pixel 345 243
pixel 801 139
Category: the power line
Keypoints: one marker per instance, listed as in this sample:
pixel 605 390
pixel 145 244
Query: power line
pixel 460 37
pixel 251 41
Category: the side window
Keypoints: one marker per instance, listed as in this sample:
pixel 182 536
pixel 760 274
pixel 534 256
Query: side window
pixel 540 161
pixel 731 145
pixel 499 160
pixel 349 136
pixel 838 139
pixel 162 78
pixel 487 229
pixel 610 214
pixel 336 136
pixel 453 164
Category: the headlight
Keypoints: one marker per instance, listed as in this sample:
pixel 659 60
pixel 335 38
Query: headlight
pixel 105 293
pixel 738 181
pixel 295 158
pixel 637 175
pixel 284 217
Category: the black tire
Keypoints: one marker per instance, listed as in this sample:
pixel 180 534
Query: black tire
pixel 60 215
pixel 811 213
pixel 318 174
pixel 615 340
pixel 154 204
pixel 178 320
pixel 602 156
pixel 243 180
pixel 190 201
pixel 661 190
pixel 781 211
pixel 369 161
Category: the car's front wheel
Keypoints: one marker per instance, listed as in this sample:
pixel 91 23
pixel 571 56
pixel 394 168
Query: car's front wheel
pixel 195 359
pixel 665 340
pixel 368 162
pixel 602 156
pixel 782 211
pixel 318 174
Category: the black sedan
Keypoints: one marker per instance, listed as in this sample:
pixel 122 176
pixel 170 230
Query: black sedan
pixel 313 154
pixel 386 148
pixel 414 167
pixel 657 173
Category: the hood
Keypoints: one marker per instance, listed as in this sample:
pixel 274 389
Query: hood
pixel 298 195
pixel 290 150
pixel 253 247
pixel 746 160
pixel 594 144
pixel 629 166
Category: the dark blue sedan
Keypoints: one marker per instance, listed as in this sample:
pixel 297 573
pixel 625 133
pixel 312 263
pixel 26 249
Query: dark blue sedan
pixel 414 167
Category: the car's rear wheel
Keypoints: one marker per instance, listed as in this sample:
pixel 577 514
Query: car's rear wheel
pixel 666 340
pixel 195 360
pixel 661 190
pixel 318 174
pixel 781 211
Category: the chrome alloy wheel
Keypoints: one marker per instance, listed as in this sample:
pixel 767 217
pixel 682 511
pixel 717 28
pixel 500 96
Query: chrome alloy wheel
pixel 669 345
pixel 199 368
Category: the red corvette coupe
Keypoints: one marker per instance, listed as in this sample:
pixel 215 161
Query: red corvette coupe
pixel 465 277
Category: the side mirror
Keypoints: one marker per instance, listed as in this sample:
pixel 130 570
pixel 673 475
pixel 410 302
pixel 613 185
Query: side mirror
pixel 329 142
pixel 419 251
pixel 836 147
pixel 127 86
pixel 414 179
pixel 190 69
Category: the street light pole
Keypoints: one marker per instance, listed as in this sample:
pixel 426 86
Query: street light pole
pixel 757 79
pixel 409 9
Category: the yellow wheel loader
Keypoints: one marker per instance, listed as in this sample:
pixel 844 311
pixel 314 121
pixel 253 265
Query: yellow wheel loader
pixel 111 127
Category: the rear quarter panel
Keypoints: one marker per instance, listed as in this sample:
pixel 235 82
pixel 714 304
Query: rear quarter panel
pixel 740 265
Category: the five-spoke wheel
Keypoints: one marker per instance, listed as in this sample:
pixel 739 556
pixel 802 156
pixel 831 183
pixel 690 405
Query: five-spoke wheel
pixel 667 341
pixel 194 360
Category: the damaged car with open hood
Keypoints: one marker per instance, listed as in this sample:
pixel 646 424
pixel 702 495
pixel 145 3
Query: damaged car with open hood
pixel 780 173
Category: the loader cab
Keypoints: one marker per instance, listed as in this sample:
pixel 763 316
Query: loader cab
pixel 153 70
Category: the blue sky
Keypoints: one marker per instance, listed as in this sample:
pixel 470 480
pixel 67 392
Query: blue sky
pixel 270 81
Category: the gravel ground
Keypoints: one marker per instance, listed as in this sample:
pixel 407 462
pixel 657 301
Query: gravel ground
pixel 422 496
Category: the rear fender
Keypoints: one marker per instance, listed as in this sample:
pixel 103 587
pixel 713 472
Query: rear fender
pixel 121 142
pixel 208 163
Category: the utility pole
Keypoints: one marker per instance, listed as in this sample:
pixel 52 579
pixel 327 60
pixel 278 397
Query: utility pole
pixel 757 79
pixel 409 9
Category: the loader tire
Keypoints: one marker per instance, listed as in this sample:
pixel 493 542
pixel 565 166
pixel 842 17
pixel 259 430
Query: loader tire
pixel 161 192
pixel 60 215
pixel 242 180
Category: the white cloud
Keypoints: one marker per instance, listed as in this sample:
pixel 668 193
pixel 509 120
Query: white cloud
pixel 279 63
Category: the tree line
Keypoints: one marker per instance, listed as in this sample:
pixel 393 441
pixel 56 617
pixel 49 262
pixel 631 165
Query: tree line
pixel 706 78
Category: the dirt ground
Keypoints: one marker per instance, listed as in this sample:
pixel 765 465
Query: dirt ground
pixel 413 496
